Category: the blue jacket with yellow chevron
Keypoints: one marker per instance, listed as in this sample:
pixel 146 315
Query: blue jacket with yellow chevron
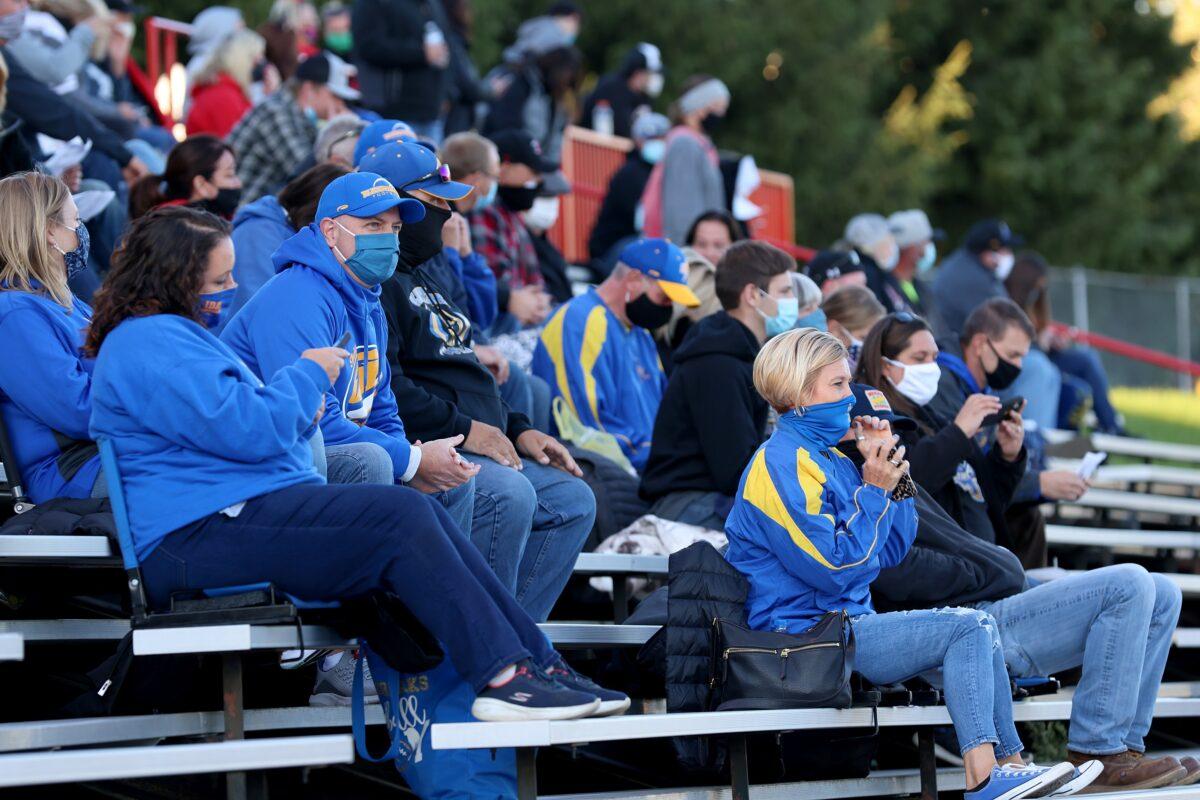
pixel 609 375
pixel 809 534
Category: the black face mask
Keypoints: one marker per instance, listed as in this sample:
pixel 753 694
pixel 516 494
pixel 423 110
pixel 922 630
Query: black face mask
pixel 712 124
pixel 421 241
pixel 224 204
pixel 645 313
pixel 517 198
pixel 1004 374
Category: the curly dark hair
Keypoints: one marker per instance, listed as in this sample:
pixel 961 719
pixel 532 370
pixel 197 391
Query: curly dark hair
pixel 157 269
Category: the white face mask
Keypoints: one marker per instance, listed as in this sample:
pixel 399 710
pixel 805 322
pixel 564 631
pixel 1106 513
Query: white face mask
pixel 542 215
pixel 889 261
pixel 1004 265
pixel 654 84
pixel 920 381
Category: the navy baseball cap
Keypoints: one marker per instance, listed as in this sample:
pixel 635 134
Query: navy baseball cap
pixel 409 166
pixel 991 234
pixel 379 133
pixel 870 402
pixel 365 194
pixel 663 261
pixel 828 265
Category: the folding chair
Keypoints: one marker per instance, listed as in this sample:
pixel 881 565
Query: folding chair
pixel 12 474
pixel 255 604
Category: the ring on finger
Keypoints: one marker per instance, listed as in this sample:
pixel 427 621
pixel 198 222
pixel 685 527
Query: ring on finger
pixel 893 462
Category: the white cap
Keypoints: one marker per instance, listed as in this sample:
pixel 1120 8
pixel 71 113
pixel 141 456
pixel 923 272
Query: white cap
pixel 910 227
pixel 865 230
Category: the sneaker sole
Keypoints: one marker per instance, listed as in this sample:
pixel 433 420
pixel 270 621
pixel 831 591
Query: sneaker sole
pixel 1166 779
pixel 1188 780
pixel 1052 780
pixel 487 709
pixel 1085 779
pixel 333 700
pixel 615 708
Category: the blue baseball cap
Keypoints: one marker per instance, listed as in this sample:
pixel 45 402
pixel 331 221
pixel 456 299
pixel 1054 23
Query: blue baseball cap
pixel 379 133
pixel 663 261
pixel 365 194
pixel 870 402
pixel 409 166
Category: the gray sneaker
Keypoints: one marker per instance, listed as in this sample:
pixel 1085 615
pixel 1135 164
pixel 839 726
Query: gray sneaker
pixel 335 686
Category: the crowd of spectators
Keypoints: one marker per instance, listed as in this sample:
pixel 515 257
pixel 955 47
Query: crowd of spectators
pixel 360 324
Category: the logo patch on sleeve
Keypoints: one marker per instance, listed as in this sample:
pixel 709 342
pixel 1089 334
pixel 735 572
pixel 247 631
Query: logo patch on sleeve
pixel 878 400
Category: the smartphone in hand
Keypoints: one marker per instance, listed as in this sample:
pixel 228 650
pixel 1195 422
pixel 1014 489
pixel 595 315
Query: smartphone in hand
pixel 1011 405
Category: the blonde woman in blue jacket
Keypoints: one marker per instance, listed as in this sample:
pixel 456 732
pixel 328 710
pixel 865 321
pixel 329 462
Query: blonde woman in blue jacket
pixel 811 533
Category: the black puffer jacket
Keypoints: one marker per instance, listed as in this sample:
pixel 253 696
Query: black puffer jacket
pixel 65 516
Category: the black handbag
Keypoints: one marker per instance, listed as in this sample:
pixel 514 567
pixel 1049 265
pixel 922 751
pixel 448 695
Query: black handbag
pixel 764 670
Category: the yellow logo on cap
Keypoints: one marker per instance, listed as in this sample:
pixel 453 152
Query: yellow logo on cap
pixel 878 400
pixel 381 186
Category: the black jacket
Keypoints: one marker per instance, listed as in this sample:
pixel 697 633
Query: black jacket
pixel 45 112
pixel 614 89
pixel 439 384
pixel 65 516
pixel 935 458
pixel 946 567
pixel 389 43
pixel 885 286
pixel 617 213
pixel 466 89
pixel 15 155
pixel 553 265
pixel 710 420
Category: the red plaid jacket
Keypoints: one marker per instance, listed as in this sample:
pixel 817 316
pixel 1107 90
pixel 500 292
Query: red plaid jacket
pixel 500 236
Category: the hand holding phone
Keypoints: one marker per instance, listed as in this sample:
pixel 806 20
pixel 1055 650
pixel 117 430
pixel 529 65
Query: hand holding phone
pixel 1011 405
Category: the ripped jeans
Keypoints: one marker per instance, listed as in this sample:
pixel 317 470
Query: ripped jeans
pixel 965 644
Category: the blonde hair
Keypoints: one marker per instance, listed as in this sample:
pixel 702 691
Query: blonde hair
pixel 854 308
pixel 31 201
pixel 3 84
pixel 787 366
pixel 235 56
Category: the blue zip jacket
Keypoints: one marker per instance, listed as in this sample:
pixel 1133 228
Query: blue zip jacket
pixel 479 285
pixel 194 430
pixel 46 394
pixel 312 302
pixel 609 375
pixel 809 534
pixel 258 230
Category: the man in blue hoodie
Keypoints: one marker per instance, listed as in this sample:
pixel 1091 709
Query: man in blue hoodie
pixel 532 513
pixel 327 288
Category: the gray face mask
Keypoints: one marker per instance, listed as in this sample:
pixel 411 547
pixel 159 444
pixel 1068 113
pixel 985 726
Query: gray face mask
pixel 12 24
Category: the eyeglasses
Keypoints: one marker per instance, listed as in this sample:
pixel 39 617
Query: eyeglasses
pixel 442 173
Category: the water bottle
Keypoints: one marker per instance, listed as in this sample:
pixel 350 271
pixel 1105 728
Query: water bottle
pixel 602 118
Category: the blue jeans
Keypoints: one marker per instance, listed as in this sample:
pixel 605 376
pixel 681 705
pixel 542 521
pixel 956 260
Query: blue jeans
pixel 528 394
pixel 325 543
pixel 432 130
pixel 369 463
pixel 1040 383
pixel 530 526
pixel 965 645
pixel 1084 363
pixel 1117 623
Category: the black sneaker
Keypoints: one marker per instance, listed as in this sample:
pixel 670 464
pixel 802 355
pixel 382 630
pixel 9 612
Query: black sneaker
pixel 531 694
pixel 612 703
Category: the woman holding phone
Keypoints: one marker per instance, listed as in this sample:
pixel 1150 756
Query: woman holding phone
pixel 974 485
pixel 218 477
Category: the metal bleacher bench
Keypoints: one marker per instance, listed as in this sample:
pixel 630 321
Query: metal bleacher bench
pixel 1146 449
pixel 12 647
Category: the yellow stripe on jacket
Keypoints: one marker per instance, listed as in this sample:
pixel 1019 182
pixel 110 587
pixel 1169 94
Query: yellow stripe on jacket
pixel 760 492
pixel 595 334
pixel 552 339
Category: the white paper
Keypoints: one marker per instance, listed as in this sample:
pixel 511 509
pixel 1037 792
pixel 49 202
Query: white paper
pixel 744 184
pixel 1091 462
pixel 92 202
pixel 60 155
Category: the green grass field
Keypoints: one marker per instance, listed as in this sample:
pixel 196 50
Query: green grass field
pixel 1167 415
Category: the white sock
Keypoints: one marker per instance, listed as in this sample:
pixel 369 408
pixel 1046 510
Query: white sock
pixel 504 677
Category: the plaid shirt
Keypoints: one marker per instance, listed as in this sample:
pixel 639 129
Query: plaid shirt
pixel 271 141
pixel 500 236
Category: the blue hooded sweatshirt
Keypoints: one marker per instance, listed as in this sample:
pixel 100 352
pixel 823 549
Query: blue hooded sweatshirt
pixel 195 431
pixel 46 394
pixel 809 534
pixel 312 302
pixel 258 230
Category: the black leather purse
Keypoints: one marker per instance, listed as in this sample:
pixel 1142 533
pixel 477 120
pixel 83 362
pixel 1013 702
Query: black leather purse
pixel 765 670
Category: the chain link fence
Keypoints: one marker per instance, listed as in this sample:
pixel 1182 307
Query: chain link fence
pixel 1156 312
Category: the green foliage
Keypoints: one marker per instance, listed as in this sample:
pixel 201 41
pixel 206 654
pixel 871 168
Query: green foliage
pixel 1047 125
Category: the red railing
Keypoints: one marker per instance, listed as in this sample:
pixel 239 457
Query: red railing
pixel 589 160
pixel 1128 350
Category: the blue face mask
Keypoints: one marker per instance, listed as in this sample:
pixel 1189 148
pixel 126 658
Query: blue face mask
pixel 825 423
pixel 213 306
pixel 927 258
pixel 787 311
pixel 813 319
pixel 311 115
pixel 374 258
pixel 489 198
pixel 653 150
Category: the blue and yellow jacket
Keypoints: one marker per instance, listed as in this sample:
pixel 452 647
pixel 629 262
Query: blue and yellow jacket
pixel 809 534
pixel 609 375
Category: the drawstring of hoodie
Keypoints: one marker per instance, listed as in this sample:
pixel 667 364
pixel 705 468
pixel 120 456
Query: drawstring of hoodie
pixel 433 291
